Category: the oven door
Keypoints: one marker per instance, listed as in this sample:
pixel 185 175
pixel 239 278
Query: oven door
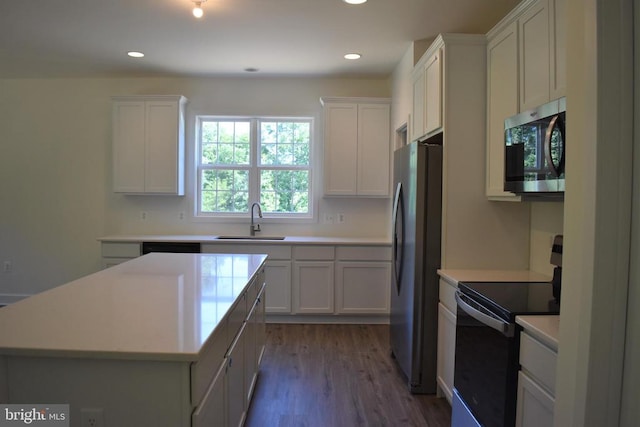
pixel 486 366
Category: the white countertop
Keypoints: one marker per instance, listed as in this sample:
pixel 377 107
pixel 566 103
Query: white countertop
pixel 157 307
pixel 458 275
pixel 544 328
pixel 288 240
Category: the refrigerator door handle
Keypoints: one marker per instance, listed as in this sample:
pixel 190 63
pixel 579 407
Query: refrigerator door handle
pixel 505 328
pixel 398 236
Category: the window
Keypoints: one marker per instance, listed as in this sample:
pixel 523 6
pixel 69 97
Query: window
pixel 246 160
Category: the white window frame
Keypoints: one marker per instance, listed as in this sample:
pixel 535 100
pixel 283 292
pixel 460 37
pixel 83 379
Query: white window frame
pixel 254 170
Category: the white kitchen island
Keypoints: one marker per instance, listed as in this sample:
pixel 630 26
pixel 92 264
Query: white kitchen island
pixel 162 340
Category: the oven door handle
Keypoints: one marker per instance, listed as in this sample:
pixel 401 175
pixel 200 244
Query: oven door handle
pixel 505 328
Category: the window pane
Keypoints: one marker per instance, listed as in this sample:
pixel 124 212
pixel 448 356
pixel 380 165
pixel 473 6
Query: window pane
pixel 225 190
pixel 226 142
pixel 284 191
pixel 284 143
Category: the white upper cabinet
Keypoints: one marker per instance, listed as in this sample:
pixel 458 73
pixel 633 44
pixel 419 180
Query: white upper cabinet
pixel 558 43
pixel 526 67
pixel 533 26
pixel 356 146
pixel 542 32
pixel 502 102
pixel 148 144
pixel 427 95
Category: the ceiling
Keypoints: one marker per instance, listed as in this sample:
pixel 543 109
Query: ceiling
pixel 90 38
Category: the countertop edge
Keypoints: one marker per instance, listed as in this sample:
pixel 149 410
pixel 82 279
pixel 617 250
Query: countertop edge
pixel 213 239
pixel 543 328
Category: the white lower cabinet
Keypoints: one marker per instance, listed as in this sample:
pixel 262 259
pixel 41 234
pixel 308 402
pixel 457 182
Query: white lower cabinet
pixel 114 253
pixel 313 290
pixel 446 338
pixel 536 383
pixel 278 278
pixel 446 350
pixel 362 287
pixel 535 406
pixel 212 410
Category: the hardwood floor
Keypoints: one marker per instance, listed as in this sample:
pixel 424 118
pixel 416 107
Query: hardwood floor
pixel 336 375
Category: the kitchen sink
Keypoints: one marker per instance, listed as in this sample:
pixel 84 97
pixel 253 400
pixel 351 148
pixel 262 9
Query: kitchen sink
pixel 250 238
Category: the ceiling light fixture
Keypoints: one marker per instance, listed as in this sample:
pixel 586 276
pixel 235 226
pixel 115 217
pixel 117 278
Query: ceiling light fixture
pixel 135 54
pixel 197 9
pixel 355 1
pixel 352 56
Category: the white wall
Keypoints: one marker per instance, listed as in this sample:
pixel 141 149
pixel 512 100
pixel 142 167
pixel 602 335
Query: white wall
pixel 55 168
pixel 546 222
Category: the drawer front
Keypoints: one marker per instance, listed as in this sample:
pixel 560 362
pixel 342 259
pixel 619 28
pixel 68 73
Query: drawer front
pixel 120 250
pixel 236 318
pixel 539 361
pixel 204 370
pixel 364 253
pixel 313 253
pixel 273 251
pixel 211 410
pixel 447 296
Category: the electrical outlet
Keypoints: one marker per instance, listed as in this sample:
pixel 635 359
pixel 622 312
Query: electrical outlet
pixel 7 267
pixel 328 219
pixel 181 216
pixel 340 218
pixel 143 215
pixel 92 417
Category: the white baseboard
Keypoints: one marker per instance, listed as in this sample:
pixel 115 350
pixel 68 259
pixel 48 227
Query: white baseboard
pixel 328 319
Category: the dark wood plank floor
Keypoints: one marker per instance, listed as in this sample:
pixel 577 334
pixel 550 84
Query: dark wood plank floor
pixel 336 375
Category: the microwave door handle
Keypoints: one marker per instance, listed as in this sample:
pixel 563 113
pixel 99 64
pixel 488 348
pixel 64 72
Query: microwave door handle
pixel 547 146
pixel 505 328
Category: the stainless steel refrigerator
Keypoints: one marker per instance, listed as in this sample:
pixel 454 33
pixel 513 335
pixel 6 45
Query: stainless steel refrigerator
pixel 417 220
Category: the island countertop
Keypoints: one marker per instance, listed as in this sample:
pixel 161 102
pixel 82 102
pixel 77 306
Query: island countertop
pixel 160 306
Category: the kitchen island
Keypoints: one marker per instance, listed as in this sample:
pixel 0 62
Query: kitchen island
pixel 164 340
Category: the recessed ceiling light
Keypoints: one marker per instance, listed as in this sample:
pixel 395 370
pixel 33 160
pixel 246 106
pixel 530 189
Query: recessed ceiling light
pixel 355 1
pixel 352 56
pixel 135 54
pixel 251 70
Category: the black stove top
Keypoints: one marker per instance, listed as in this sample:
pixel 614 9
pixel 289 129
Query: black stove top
pixel 510 299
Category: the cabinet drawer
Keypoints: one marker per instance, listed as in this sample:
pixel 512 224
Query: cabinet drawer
pixel 314 253
pixel 120 250
pixel 364 253
pixel 539 361
pixel 447 296
pixel 273 251
pixel 204 370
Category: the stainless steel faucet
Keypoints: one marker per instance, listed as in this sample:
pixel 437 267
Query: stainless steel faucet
pixel 255 227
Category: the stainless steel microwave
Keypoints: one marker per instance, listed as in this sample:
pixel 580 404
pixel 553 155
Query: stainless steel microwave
pixel 535 151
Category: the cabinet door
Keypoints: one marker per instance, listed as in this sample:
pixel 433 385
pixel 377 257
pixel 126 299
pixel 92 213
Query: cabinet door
pixel 234 381
pixel 374 149
pixel 433 79
pixel 313 287
pixel 278 290
pixel 363 287
pixel 558 43
pixel 502 102
pixel 446 350
pixel 341 140
pixel 250 355
pixel 161 147
pixel 418 118
pixel 261 332
pixel 212 411
pixel 128 146
pixel 534 405
pixel 534 55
